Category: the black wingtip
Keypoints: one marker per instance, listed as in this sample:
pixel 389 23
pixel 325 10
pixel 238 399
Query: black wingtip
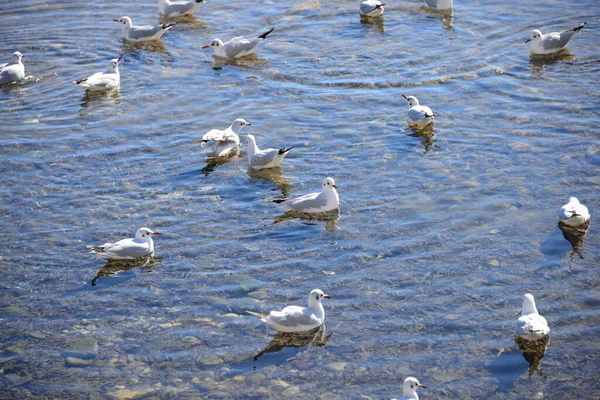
pixel 81 80
pixel 278 201
pixel 199 1
pixel 169 25
pixel 580 27
pixel 284 150
pixel 264 35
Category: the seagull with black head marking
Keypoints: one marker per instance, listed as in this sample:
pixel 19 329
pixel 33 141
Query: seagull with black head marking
pixel 237 47
pixel 141 33
pixel 553 42
pixel 371 8
pixel 109 79
pixel 128 249
pixel 177 8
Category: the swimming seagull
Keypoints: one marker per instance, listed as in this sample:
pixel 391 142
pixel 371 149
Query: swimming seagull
pixel 140 33
pixel 178 8
pixel 14 70
pixel 266 158
pixel 225 140
pixel 371 8
pixel 439 4
pixel 531 325
pixel 238 46
pixel 574 213
pixel 108 79
pixel 409 390
pixel 295 318
pixel 417 114
pixel 326 200
pixel 128 249
pixel 548 43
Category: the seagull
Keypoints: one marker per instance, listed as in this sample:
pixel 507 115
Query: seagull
pixel 128 249
pixel 438 4
pixel 140 33
pixel 409 391
pixel 295 318
pixel 108 79
pixel 238 46
pixel 178 8
pixel 14 70
pixel 326 200
pixel 418 115
pixel 371 8
pixel 553 42
pixel 531 325
pixel 226 140
pixel 574 213
pixel 266 158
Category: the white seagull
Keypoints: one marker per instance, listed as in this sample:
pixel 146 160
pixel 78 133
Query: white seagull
pixel 417 114
pixel 295 318
pixel 14 70
pixel 574 213
pixel 326 200
pixel 140 33
pixel 225 140
pixel 531 325
pixel 371 8
pixel 109 79
pixel 553 42
pixel 439 4
pixel 178 8
pixel 409 390
pixel 128 249
pixel 266 158
pixel 238 46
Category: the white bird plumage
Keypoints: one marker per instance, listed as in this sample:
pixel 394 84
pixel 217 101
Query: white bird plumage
pixel 296 318
pixel 128 249
pixel 531 325
pixel 13 71
pixel 324 201
pixel 574 213
pixel 439 4
pixel 226 141
pixel 417 114
pixel 239 46
pixel 109 79
pixel 553 42
pixel 265 158
pixel 140 33
pixel 409 389
pixel 371 8
pixel 177 8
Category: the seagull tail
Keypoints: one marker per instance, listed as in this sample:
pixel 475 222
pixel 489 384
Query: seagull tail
pixel 284 150
pixel 199 1
pixel 80 81
pixel 580 27
pixel 264 35
pixel 278 201
pixel 259 315
pixel 95 249
pixel 169 25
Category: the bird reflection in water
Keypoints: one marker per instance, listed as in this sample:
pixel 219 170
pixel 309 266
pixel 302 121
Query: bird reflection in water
pixel 111 96
pixel 113 267
pixel 425 133
pixel 315 337
pixel 539 61
pixel 213 161
pixel 245 62
pixel 188 19
pixel 330 218
pixel 274 175
pixel 533 352
pixel 375 21
pixel 576 236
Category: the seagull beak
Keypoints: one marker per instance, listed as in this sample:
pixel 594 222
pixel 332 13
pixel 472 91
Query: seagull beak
pixel 120 58
pixel 116 20
pixel 326 296
pixel 156 233
pixel 421 386
pixel 528 40
pixel 247 123
pixel 335 186
pixel 206 47
pixel 404 96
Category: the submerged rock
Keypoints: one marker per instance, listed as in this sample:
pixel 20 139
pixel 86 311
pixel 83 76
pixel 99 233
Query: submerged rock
pixel 128 394
pixel 18 379
pixel 85 349
pixel 77 362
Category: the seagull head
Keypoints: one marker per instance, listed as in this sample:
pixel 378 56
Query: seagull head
pixel 412 100
pixel 251 139
pixel 528 305
pixel 410 386
pixel 114 64
pixel 145 233
pixel 329 184
pixel 125 21
pixel 17 56
pixel 535 36
pixel 214 43
pixel 316 296
pixel 573 199
pixel 238 124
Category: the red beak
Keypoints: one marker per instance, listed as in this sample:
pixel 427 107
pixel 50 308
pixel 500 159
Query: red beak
pixel 421 386
pixel 528 40
pixel 326 296
pixel 335 186
pixel 116 20
pixel 156 233
pixel 206 47
pixel 404 96
pixel 120 58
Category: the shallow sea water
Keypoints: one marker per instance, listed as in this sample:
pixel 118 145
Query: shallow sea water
pixel 438 238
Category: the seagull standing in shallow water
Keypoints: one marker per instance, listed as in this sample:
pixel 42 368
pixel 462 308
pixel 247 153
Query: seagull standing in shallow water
pixel 106 80
pixel 140 33
pixel 226 140
pixel 177 8
pixel 371 8
pixel 531 325
pixel 327 200
pixel 295 318
pixel 238 46
pixel 409 390
pixel 417 114
pixel 574 213
pixel 553 42
pixel 266 158
pixel 14 71
pixel 129 249
pixel 438 4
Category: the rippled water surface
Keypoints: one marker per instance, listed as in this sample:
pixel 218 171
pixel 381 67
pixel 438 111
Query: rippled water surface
pixel 439 236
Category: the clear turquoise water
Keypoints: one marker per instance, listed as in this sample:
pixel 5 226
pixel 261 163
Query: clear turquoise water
pixel 438 239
